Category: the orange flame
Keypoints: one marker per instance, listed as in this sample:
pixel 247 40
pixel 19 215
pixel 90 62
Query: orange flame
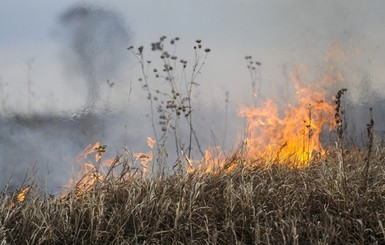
pixel 292 136
pixel 145 158
pixel 90 173
pixel 288 136
pixel 20 196
pixel 214 159
pixel 94 172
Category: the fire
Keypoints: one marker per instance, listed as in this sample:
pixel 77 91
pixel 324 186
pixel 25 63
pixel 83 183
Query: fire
pixel 292 136
pixel 287 135
pixel 90 173
pixel 145 158
pixel 214 159
pixel 93 170
pixel 20 196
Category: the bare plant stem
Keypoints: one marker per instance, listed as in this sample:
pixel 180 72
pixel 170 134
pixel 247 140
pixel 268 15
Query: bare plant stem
pixel 255 77
pixel 175 101
pixel 369 127
pixel 161 154
pixel 340 135
pixel 197 68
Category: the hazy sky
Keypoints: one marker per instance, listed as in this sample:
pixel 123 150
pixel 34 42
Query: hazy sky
pixel 278 33
pixel 41 69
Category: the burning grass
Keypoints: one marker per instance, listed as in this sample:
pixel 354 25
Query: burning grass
pixel 274 205
pixel 282 186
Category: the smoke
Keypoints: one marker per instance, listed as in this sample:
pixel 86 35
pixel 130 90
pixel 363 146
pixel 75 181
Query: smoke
pixel 45 145
pixel 95 41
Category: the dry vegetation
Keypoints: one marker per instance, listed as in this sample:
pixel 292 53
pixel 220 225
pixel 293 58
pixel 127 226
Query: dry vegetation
pixel 338 199
pixel 316 205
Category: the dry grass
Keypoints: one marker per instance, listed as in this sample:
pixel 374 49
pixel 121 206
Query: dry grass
pixel 259 206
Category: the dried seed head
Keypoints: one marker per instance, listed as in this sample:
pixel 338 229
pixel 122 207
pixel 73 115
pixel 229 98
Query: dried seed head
pixel 140 49
pixel 166 54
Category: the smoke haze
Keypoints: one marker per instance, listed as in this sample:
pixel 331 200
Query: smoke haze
pixel 83 85
pixel 95 40
pixel 46 145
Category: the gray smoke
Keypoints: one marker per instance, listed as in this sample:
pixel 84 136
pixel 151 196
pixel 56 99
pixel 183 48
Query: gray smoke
pixel 94 51
pixel 45 145
pixel 358 114
pixel 95 40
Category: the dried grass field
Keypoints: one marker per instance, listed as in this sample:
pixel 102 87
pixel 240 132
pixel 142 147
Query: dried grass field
pixel 321 204
pixel 290 190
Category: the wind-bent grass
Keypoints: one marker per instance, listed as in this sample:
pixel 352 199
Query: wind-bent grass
pixel 277 205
